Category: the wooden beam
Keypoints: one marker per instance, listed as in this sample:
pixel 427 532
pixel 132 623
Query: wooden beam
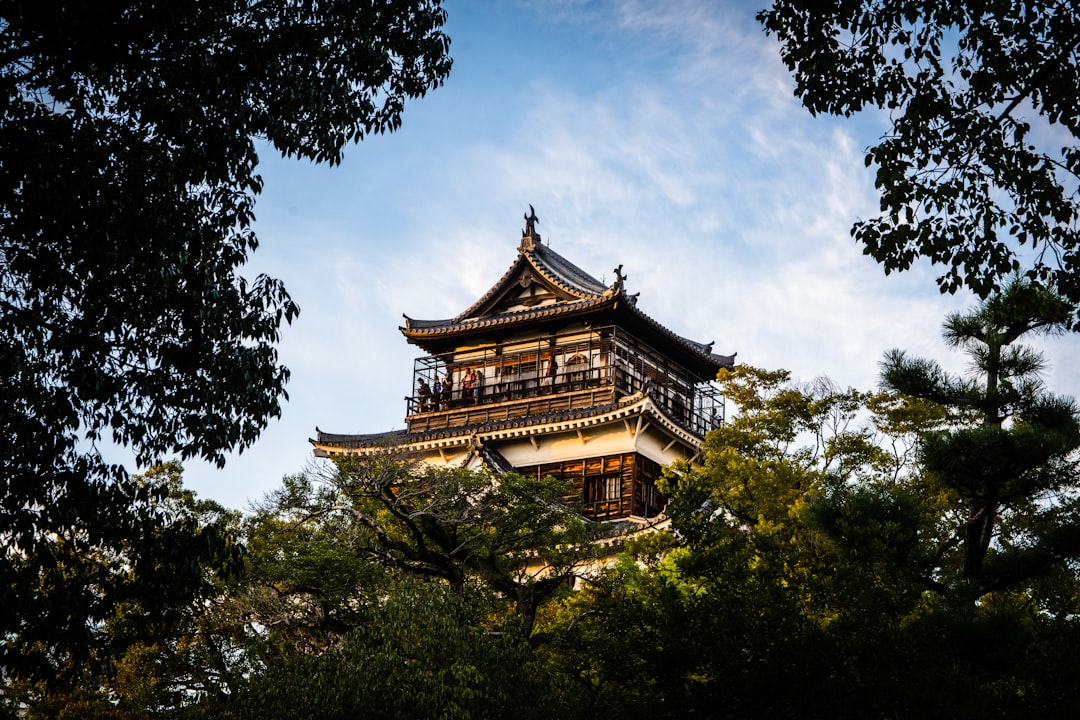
pixel 642 428
pixel 668 446
pixel 535 444
pixel 581 437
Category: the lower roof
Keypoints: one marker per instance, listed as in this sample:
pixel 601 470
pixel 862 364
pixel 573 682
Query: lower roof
pixel 327 444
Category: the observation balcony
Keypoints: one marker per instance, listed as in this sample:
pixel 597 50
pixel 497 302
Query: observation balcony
pixel 550 374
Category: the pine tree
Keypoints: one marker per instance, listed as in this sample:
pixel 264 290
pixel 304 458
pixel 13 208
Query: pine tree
pixel 1012 462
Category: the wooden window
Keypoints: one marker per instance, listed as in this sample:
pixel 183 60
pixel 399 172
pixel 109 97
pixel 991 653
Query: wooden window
pixel 605 488
pixel 576 368
pixel 650 494
pixel 612 487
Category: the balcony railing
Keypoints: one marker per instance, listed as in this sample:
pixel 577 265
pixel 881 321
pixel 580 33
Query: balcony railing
pixel 464 382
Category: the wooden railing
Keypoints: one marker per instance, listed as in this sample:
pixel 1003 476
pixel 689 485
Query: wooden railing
pixel 553 374
pixel 466 415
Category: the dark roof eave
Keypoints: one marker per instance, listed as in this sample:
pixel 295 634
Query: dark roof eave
pixel 417 330
pixel 433 335
pixel 404 438
pixel 725 361
pixel 384 439
pixel 711 362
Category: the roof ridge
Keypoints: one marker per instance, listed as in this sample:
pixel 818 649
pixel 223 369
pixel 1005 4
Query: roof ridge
pixel 542 258
pixel 549 264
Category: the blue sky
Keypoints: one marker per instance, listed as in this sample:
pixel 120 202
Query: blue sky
pixel 660 136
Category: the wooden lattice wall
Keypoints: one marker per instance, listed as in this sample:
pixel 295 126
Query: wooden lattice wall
pixel 611 486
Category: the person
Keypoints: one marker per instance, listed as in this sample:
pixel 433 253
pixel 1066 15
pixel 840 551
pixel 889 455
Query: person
pixel 553 367
pixel 478 386
pixel 437 393
pixel 424 395
pixel 468 384
pixel 448 388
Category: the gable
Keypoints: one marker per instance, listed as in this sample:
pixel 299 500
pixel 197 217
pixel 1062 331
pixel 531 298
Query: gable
pixel 521 290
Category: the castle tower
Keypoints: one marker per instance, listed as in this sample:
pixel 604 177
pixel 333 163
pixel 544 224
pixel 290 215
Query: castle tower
pixel 551 372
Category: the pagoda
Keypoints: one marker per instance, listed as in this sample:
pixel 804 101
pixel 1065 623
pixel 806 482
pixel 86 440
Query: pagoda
pixel 552 372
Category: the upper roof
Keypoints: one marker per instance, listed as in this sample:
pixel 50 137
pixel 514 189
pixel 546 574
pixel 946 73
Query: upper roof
pixel 541 287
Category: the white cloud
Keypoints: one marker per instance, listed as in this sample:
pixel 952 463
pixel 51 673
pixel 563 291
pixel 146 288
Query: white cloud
pixel 667 140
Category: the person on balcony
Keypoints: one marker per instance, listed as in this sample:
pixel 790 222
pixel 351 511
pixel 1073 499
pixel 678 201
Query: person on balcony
pixel 424 395
pixel 552 369
pixel 448 389
pixel 468 386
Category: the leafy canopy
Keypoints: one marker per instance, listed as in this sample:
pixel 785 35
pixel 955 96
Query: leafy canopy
pixel 148 593
pixel 127 187
pixel 512 533
pixel 979 169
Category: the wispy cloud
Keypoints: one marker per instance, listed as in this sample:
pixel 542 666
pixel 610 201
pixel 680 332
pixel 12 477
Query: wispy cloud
pixel 662 136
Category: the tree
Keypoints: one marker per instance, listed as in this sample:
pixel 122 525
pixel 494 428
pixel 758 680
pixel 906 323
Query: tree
pixel 421 651
pixel 747 609
pixel 1014 465
pixel 1007 572
pixel 513 534
pixel 128 174
pixel 152 591
pixel 809 575
pixel 307 583
pixel 804 556
pixel 978 171
pixel 382 586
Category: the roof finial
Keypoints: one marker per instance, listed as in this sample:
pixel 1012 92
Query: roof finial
pixel 619 278
pixel 529 236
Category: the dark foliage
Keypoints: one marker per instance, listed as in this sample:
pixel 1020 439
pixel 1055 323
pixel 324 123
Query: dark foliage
pixel 979 169
pixel 1014 464
pixel 127 186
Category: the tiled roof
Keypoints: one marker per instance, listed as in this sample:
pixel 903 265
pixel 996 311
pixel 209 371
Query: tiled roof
pixel 563 272
pixel 401 437
pixel 703 349
pixel 420 328
pixel 393 438
pixel 550 265
pixel 590 295
pixel 629 405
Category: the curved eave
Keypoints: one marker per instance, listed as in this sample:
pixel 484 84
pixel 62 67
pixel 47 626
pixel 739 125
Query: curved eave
pixel 547 264
pixel 419 331
pixel 708 362
pixel 628 408
pixel 435 335
pixel 337 442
